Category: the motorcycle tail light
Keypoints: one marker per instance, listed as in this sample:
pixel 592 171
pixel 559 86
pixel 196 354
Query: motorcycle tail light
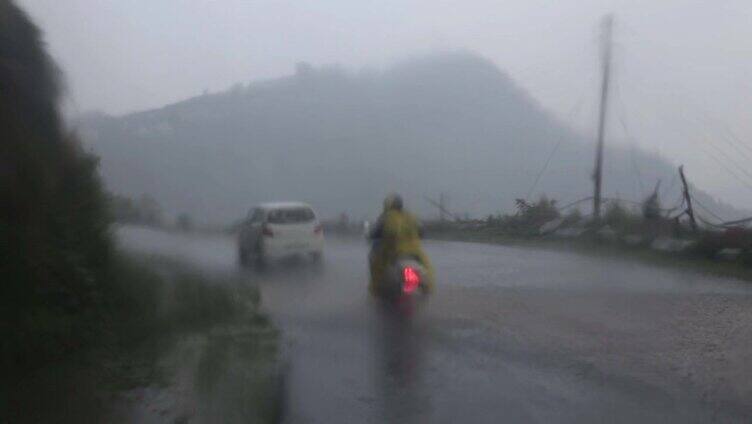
pixel 411 280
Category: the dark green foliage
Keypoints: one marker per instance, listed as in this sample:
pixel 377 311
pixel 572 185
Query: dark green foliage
pixel 737 237
pixel 616 214
pixel 201 304
pixel 54 242
pixel 152 296
pixel 572 217
pixel 708 245
pixel 710 242
pixel 538 213
pixel 621 219
pixel 651 207
pixel 134 302
pixel 63 287
pixel 147 302
pixel 529 216
pixel 746 258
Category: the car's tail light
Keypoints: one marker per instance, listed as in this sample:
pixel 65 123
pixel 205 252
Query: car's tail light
pixel 267 232
pixel 319 229
pixel 411 279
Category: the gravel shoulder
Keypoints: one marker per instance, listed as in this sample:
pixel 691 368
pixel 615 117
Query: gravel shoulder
pixel 693 349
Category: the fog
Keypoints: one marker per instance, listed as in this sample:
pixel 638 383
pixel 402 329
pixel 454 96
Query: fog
pixel 277 211
pixel 679 66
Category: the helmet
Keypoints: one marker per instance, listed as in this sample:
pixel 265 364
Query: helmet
pixel 393 201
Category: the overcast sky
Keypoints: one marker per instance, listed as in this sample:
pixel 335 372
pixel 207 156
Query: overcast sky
pixel 681 84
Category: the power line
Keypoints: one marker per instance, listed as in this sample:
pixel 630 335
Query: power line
pixel 730 160
pixel 706 222
pixel 730 172
pixel 706 209
pixel 622 120
pixel 679 202
pixel 731 139
pixel 545 166
pixel 733 144
pixel 635 202
pixel 626 130
pixel 739 221
pixel 671 184
pixel 741 180
pixel 708 121
pixel 732 135
pixel 570 204
pixel 572 112
pixel 727 140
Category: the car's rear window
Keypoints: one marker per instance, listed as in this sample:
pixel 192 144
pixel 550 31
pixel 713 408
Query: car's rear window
pixel 290 216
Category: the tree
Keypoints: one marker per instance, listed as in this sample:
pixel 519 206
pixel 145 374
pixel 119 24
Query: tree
pixel 55 249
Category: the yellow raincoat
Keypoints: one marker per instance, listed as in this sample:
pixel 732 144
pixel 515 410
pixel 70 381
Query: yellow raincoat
pixel 400 237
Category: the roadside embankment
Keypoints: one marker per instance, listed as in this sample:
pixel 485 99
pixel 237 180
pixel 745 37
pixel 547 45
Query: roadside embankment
pixel 175 345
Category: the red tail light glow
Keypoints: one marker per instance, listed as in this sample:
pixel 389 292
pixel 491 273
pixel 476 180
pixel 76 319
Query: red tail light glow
pixel 319 229
pixel 267 232
pixel 411 280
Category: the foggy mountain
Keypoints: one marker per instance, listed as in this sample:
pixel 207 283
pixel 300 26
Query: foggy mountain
pixel 451 123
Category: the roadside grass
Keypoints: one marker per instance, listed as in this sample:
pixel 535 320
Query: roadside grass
pixel 151 304
pixel 180 301
pixel 693 260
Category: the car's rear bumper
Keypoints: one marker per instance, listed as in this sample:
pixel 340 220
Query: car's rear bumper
pixel 279 249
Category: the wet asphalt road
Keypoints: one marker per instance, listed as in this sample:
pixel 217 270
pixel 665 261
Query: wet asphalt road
pixel 511 335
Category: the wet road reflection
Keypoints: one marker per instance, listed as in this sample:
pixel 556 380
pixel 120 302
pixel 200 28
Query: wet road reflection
pixel 517 335
pixel 400 361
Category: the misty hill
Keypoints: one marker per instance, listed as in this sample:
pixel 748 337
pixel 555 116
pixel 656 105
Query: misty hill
pixel 451 123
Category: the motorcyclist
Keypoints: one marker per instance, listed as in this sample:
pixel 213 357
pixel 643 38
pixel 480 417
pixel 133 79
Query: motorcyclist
pixel 396 233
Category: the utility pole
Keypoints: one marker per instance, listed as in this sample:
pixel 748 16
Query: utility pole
pixel 688 199
pixel 608 23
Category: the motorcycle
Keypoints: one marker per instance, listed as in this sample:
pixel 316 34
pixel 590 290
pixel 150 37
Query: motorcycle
pixel 404 282
pixel 402 279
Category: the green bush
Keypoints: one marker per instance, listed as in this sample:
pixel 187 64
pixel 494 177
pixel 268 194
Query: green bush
pixel 152 296
pixel 55 249
pixel 621 219
pixel 529 216
pixel 746 258
pixel 708 245
pixel 199 304
pixel 573 217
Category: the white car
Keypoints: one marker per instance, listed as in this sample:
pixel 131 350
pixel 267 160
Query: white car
pixel 278 230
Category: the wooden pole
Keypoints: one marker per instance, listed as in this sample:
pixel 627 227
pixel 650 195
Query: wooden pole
pixel 688 199
pixel 598 173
